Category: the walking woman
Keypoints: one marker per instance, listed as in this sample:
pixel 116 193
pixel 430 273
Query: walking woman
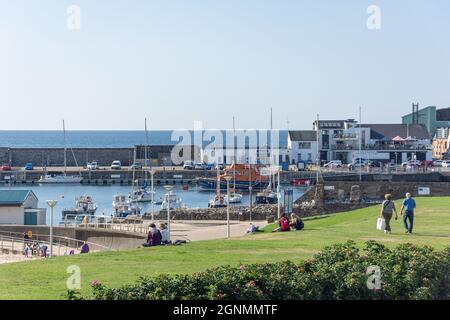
pixel 387 208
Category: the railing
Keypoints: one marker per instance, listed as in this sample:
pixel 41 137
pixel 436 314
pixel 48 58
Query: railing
pixel 133 223
pixel 410 148
pixel 15 242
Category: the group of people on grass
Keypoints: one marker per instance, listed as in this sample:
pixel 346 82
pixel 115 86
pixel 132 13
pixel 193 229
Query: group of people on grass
pixel 407 212
pixel 285 224
pixel 157 236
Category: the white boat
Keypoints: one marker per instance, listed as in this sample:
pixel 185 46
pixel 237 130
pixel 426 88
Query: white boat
pixel 217 202
pixel 83 205
pixel 122 207
pixel 62 178
pixel 140 195
pixel 59 178
pixel 234 198
pixel 175 202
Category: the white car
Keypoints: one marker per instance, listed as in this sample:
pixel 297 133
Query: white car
pixel 92 165
pixel 188 165
pixel 412 163
pixel 333 164
pixel 438 163
pixel 445 164
pixel 116 165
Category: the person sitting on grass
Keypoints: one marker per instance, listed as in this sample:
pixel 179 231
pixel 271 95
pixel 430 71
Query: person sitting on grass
pixel 84 248
pixel 283 224
pixel 164 233
pixel 153 237
pixel 252 229
pixel 296 222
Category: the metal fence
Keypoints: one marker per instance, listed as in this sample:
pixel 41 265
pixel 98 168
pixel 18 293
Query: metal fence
pixel 15 243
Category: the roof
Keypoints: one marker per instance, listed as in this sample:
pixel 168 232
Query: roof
pixel 391 131
pixel 14 197
pixel 303 135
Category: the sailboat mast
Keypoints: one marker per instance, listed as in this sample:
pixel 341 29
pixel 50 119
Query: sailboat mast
pixel 145 150
pixel 234 160
pixel 65 148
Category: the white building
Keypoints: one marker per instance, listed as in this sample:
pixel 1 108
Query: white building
pixel 20 207
pixel 302 146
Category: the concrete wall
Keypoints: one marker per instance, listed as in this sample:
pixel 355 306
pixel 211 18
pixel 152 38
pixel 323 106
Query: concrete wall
pixel 12 215
pixel 113 239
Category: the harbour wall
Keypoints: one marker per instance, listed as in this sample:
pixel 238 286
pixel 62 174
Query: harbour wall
pixel 109 238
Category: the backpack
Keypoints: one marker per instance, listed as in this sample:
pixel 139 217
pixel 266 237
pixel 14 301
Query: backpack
pixel 299 225
pixel 285 225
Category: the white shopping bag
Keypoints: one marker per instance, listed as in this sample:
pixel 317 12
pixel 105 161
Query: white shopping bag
pixel 381 224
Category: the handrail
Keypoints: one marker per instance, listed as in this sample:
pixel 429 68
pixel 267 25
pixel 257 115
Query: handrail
pixel 57 239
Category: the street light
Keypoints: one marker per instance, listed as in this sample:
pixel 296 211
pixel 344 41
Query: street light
pixel 228 178
pixel 152 173
pixel 51 204
pixel 169 189
pixel 278 195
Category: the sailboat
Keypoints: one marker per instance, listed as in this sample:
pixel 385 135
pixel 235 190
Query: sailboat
pixel 143 194
pixel 219 200
pixel 234 197
pixel 62 178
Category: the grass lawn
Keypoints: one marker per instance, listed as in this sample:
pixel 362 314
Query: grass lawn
pixel 46 279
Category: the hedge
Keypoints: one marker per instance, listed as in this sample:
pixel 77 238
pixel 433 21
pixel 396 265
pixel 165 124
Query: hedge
pixel 338 272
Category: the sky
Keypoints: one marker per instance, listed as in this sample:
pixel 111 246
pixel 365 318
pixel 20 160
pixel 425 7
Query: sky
pixel 180 61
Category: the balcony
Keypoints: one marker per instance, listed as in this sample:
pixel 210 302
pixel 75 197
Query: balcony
pixel 343 137
pixel 383 147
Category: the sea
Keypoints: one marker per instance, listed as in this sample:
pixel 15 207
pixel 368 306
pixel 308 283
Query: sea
pixel 101 139
pixel 103 195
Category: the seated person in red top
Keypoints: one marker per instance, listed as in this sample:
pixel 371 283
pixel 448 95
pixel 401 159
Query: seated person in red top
pixel 283 224
pixel 153 237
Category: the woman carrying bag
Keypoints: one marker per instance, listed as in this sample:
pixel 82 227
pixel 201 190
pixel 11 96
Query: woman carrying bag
pixel 387 208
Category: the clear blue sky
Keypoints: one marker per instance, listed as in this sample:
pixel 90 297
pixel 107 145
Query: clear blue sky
pixel 176 61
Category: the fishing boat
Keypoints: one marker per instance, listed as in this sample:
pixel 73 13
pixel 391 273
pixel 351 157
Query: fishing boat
pixel 62 178
pixel 246 176
pixel 301 182
pixel 122 207
pixel 83 205
pixel 175 202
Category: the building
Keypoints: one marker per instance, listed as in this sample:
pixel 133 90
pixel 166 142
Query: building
pixel 334 136
pixel 20 207
pixel 385 143
pixel 431 117
pixel 302 146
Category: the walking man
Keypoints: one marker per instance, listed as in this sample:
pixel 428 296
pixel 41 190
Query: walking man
pixel 387 209
pixel 408 205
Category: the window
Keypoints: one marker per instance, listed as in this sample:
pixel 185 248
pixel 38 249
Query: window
pixel 309 156
pixel 299 156
pixel 304 145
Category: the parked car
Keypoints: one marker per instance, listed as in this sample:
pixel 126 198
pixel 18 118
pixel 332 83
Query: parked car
pixel 29 166
pixel 333 164
pixel 427 163
pixel 357 164
pixel 411 163
pixel 445 164
pixel 6 167
pixel 438 163
pixel 116 165
pixel 136 166
pixel 219 166
pixel 188 165
pixel 92 165
pixel 199 166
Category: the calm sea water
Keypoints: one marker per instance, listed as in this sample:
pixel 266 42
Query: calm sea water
pixel 103 196
pixel 93 139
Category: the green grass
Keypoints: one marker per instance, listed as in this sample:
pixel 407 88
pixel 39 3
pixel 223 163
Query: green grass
pixel 46 279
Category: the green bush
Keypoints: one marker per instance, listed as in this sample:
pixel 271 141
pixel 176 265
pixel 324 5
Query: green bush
pixel 337 272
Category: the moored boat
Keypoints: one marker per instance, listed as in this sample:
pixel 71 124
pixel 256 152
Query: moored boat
pixel 84 205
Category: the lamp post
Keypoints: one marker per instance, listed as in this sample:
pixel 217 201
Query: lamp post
pixel 169 189
pixel 278 196
pixel 51 204
pixel 228 178
pixel 152 173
